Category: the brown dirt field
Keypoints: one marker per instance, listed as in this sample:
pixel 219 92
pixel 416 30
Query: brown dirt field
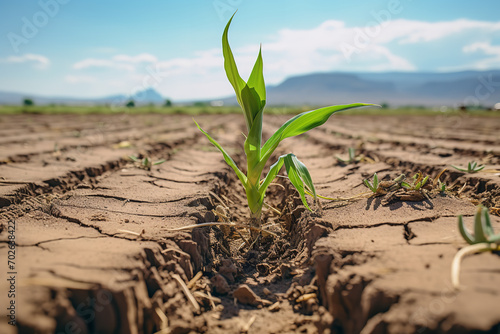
pixel 374 265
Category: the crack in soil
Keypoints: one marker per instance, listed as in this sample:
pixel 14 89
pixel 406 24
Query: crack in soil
pixel 183 214
pixel 128 200
pixel 58 239
pixel 283 270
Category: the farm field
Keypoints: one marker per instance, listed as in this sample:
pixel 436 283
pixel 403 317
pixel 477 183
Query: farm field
pixel 97 250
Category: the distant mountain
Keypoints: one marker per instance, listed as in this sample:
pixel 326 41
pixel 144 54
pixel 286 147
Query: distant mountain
pixel 394 88
pixel 146 96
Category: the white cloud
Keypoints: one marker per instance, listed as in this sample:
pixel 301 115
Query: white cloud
pixel 493 51
pixel 120 62
pixel 140 58
pixel 411 31
pixel 39 61
pixel 330 46
pixel 92 62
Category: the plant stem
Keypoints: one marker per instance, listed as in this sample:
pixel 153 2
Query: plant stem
pixel 471 249
pixel 254 199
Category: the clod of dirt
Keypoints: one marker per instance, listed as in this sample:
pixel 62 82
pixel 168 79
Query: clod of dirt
pixel 228 270
pixel 245 295
pixel 220 285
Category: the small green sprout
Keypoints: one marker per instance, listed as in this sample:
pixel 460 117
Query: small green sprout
pixel 251 96
pixel 472 167
pixel 373 187
pixel 484 239
pixel 418 182
pixel 384 187
pixel 441 186
pixel 483 231
pixel 353 158
pixel 438 184
pixel 146 162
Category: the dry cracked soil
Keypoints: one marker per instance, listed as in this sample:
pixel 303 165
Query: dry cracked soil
pixel 91 239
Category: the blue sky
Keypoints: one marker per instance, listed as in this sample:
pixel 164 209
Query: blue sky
pixel 98 48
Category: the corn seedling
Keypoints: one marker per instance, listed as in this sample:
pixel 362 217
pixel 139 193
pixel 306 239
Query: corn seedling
pixel 251 96
pixel 383 187
pixel 472 167
pixel 373 187
pixel 418 181
pixel 146 162
pixel 441 186
pixel 353 158
pixel 484 239
pixel 437 184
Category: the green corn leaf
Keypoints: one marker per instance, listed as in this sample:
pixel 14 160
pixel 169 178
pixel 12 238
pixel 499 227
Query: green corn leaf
pixel 227 158
pixel 406 185
pixel 252 147
pixel 479 235
pixel 424 181
pixel 300 178
pixel 251 96
pixel 256 79
pixel 295 176
pixel 303 123
pixel 273 171
pixel 459 168
pixel 230 65
pixel 159 162
pixel 368 184
pixel 251 105
pixel 464 232
pixel 488 229
pixel 352 155
pixel 479 168
pixel 494 239
pixel 375 181
pixel 341 160
pixel 304 174
pixel 442 186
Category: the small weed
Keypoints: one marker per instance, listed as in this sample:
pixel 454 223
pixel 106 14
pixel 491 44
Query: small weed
pixel 417 181
pixel 472 167
pixel 350 159
pixel 373 187
pixel 484 239
pixel 414 189
pixel 437 184
pixel 146 162
pixel 353 158
pixel 441 186
pixel 379 188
